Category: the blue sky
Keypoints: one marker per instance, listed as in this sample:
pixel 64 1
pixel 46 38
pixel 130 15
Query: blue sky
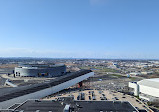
pixel 79 28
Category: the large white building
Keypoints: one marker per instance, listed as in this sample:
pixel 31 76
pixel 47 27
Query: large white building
pixel 147 89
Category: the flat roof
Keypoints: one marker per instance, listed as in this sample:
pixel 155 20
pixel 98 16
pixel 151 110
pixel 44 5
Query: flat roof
pixel 44 106
pixel 105 106
pixel 154 82
pixel 77 106
pixel 37 87
pixel 154 79
pixel 14 106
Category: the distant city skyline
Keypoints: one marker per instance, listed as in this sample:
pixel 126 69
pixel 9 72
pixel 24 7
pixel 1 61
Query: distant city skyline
pixel 106 29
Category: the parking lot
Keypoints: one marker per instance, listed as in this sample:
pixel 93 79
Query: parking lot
pixel 98 95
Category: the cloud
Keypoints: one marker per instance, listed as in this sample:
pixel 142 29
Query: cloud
pixel 52 53
pixel 25 52
pixel 97 2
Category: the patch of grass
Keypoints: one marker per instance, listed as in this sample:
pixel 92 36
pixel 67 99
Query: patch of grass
pixel 84 67
pixel 109 70
pixel 119 76
pixel 100 69
pixel 133 78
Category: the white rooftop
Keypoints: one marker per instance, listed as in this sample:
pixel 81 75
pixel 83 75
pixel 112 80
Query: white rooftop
pixel 154 79
pixel 154 82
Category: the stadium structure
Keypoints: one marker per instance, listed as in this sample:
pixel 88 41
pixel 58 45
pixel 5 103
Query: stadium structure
pixel 40 70
pixel 147 89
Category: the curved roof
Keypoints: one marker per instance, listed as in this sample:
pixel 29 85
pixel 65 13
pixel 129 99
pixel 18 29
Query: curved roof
pixel 36 66
pixel 154 82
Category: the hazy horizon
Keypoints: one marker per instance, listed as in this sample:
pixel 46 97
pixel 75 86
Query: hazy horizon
pixel 79 58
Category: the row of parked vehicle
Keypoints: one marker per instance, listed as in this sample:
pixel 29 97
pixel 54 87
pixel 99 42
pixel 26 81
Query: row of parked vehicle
pixel 103 97
pixel 93 95
pixel 81 96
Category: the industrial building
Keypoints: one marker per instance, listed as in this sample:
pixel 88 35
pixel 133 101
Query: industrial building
pixel 147 89
pixel 67 104
pixel 10 96
pixel 40 70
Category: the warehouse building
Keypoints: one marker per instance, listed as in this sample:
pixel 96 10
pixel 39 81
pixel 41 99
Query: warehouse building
pixel 147 89
pixel 40 70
